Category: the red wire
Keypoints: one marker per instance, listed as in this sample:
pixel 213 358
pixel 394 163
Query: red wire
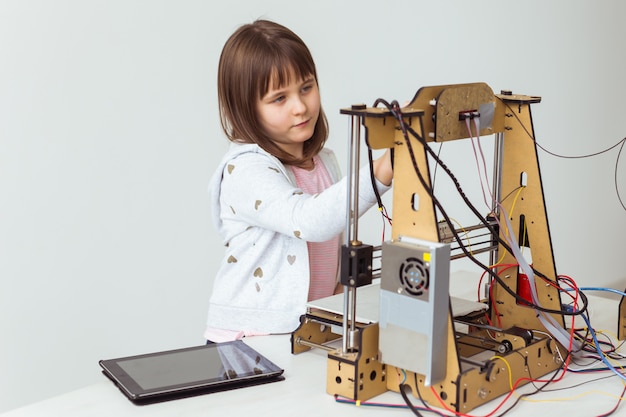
pixel 520 380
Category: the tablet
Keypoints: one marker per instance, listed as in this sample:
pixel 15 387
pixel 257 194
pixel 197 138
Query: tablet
pixel 172 374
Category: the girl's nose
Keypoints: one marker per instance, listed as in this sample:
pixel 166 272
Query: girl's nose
pixel 298 106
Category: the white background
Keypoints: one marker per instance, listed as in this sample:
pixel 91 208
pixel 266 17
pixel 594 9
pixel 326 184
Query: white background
pixel 109 134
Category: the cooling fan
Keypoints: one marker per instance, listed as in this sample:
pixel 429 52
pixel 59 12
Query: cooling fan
pixel 414 276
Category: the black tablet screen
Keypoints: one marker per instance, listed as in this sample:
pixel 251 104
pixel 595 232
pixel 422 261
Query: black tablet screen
pixel 200 366
pixel 176 368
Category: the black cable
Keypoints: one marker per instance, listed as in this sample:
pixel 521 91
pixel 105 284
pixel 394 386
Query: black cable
pixel 577 156
pixel 494 232
pixel 537 389
pixel 623 142
pixel 370 159
pixel 491 229
pixel 410 405
pixel 394 108
pixel 419 395
pixel 619 197
pixel 580 384
pixel 437 165
pixel 511 193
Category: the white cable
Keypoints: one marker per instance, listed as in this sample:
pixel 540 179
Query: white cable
pixel 480 176
pixel 551 325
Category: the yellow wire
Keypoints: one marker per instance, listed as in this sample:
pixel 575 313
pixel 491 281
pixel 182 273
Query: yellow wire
pixel 508 367
pixel 469 244
pixel 583 394
pixel 506 231
pixel 515 199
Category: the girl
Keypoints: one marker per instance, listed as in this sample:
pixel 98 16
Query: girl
pixel 278 201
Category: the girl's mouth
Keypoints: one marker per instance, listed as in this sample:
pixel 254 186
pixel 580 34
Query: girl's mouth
pixel 306 122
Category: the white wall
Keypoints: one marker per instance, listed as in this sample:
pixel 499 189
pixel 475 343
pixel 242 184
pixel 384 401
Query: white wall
pixel 109 133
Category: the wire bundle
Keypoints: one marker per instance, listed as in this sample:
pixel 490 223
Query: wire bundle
pixel 577 340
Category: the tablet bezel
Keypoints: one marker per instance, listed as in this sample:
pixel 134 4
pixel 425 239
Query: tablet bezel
pixel 134 392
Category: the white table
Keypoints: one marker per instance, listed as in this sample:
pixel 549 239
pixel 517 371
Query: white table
pixel 303 391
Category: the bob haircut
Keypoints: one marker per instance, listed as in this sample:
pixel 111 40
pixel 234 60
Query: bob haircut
pixel 256 57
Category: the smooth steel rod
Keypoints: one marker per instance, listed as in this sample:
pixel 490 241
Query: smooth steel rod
pixel 351 235
pixel 302 342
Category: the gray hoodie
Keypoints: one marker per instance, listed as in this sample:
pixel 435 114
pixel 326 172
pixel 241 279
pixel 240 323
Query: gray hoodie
pixel 265 221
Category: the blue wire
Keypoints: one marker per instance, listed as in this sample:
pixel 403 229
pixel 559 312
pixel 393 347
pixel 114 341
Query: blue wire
pixel 597 344
pixel 622 293
pixel 592 370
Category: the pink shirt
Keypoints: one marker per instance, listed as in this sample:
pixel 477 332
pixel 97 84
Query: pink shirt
pixel 323 256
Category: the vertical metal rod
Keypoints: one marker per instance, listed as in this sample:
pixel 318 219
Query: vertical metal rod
pixel 352 210
pixel 352 227
pixel 346 308
pixel 497 183
pixel 352 341
pixel 346 301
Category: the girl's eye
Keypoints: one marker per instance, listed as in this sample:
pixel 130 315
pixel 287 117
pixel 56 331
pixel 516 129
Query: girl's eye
pixel 307 88
pixel 279 99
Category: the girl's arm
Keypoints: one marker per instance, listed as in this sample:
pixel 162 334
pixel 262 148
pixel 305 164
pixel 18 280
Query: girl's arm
pixel 255 191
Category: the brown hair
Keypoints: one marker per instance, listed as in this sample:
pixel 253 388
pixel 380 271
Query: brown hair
pixel 255 56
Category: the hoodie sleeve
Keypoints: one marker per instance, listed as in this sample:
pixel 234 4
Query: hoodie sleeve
pixel 255 191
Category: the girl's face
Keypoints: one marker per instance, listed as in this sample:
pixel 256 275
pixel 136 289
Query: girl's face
pixel 288 114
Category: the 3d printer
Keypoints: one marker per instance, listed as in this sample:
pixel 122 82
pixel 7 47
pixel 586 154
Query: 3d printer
pixel 448 359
